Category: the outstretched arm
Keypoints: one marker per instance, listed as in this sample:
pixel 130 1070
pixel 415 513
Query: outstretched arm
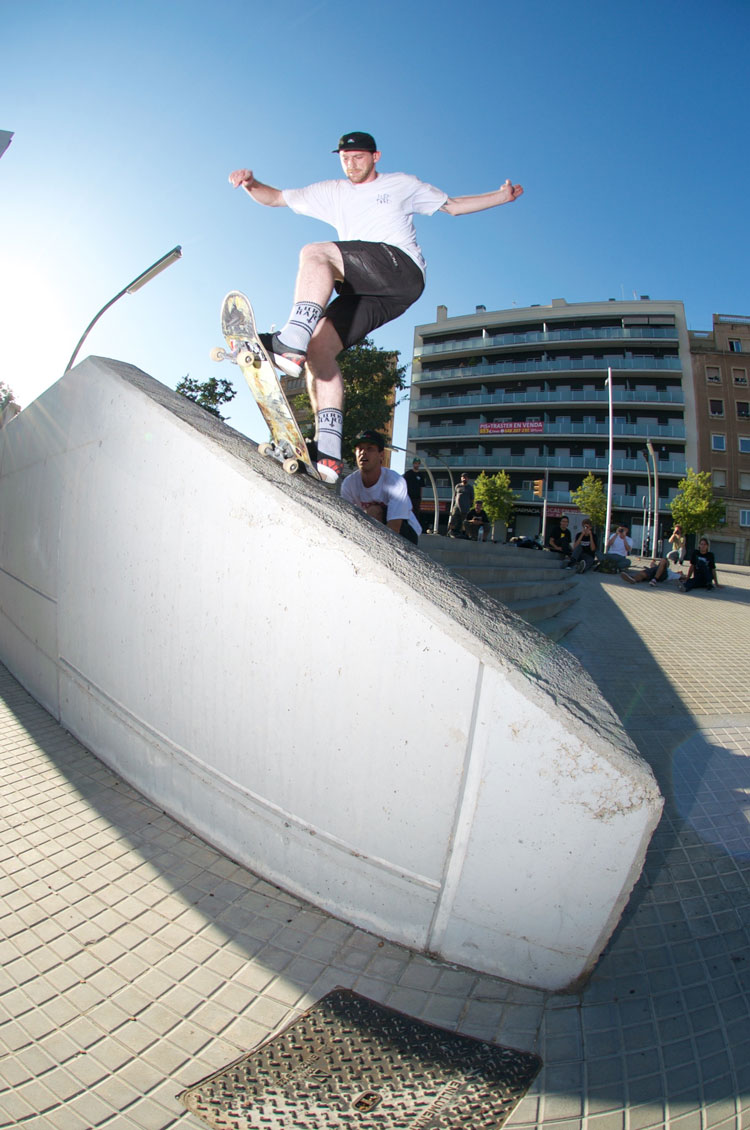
pixel 262 193
pixel 462 205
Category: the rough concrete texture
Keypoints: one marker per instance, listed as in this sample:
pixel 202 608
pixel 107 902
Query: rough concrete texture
pixel 309 692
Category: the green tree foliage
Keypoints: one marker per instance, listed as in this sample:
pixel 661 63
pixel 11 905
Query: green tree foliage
pixel 210 394
pixel 591 500
pixel 695 507
pixel 372 380
pixel 9 407
pixel 495 494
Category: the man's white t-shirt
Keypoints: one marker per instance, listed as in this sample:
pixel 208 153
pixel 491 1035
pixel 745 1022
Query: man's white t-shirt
pixel 621 546
pixel 390 490
pixel 379 211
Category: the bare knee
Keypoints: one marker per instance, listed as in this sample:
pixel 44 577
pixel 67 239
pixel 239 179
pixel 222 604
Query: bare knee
pixel 326 254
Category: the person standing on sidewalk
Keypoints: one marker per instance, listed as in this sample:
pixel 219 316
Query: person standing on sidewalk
pixel 415 484
pixel 376 267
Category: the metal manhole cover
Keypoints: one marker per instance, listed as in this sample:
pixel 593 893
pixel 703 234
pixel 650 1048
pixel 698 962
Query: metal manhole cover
pixel 350 1062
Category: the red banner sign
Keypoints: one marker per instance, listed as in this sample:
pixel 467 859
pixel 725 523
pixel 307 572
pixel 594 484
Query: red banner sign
pixel 511 427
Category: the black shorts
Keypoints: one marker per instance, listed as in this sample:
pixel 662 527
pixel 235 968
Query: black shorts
pixel 380 282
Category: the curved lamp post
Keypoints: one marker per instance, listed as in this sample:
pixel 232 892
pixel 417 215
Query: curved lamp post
pixel 647 522
pixel 412 451
pixel 655 535
pixel 141 280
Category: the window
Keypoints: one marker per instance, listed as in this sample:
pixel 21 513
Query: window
pixel 716 407
pixel 719 478
pixel 745 517
pixel 743 409
pixel 713 376
pixel 739 376
pixel 718 443
pixel 735 346
pixel 745 445
pixel 744 480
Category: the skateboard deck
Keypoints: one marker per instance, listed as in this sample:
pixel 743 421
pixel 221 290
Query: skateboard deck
pixel 244 348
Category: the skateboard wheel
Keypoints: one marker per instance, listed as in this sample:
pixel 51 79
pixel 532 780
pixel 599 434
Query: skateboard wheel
pixel 246 359
pixel 218 354
pixel 291 466
pixel 265 449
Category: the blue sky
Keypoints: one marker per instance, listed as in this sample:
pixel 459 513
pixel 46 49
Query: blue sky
pixel 627 124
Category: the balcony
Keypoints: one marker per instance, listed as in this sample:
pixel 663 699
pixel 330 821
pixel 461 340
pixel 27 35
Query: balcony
pixel 562 365
pixel 503 462
pixel 537 337
pixel 646 430
pixel 550 396
pixel 562 497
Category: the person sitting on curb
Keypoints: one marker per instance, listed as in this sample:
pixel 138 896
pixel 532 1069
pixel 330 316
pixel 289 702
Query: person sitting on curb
pixel 559 539
pixel 584 549
pixel 657 572
pixel 477 523
pixel 378 490
pixel 702 571
pixel 617 551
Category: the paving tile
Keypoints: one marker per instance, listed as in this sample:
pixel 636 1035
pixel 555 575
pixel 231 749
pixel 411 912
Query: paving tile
pixel 136 958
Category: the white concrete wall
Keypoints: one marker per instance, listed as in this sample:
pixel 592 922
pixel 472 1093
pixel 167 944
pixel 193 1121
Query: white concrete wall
pixel 308 692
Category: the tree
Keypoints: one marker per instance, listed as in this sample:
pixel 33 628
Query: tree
pixel 695 508
pixel 495 494
pixel 591 500
pixel 372 379
pixel 210 394
pixel 8 404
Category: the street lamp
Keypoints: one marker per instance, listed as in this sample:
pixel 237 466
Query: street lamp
pixel 646 524
pixel 407 450
pixel 608 383
pixel 141 280
pixel 655 534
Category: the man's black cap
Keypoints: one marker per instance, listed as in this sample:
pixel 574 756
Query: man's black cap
pixel 370 437
pixel 363 141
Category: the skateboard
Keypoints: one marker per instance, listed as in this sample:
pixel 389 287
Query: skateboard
pixel 244 348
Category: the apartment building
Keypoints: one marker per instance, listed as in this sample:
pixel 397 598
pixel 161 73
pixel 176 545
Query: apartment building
pixel 524 390
pixel 721 373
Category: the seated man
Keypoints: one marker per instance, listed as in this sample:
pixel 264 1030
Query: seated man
pixel 617 550
pixel 702 571
pixel 584 549
pixel 477 523
pixel 378 490
pixel 559 539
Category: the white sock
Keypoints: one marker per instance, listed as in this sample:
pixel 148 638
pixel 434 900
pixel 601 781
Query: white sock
pixel 302 321
pixel 330 425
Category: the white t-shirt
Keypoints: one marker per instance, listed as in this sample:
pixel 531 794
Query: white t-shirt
pixel 379 211
pixel 621 546
pixel 390 490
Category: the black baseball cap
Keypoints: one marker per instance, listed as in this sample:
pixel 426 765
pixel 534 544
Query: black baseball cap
pixel 363 141
pixel 370 437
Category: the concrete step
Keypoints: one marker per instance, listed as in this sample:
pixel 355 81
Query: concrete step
pixel 533 610
pixel 556 628
pixel 453 551
pixel 530 582
pixel 520 589
pixel 490 573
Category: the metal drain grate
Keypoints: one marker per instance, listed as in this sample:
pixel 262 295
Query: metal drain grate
pixel 349 1062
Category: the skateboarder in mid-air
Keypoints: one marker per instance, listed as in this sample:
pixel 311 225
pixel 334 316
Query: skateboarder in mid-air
pixel 375 267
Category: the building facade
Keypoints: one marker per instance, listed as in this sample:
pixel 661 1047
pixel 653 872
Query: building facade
pixel 721 372
pixel 524 390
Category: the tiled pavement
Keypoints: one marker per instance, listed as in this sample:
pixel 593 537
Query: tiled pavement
pixel 136 959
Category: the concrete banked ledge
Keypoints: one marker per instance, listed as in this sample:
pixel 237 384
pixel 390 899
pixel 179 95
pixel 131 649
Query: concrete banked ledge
pixel 307 691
